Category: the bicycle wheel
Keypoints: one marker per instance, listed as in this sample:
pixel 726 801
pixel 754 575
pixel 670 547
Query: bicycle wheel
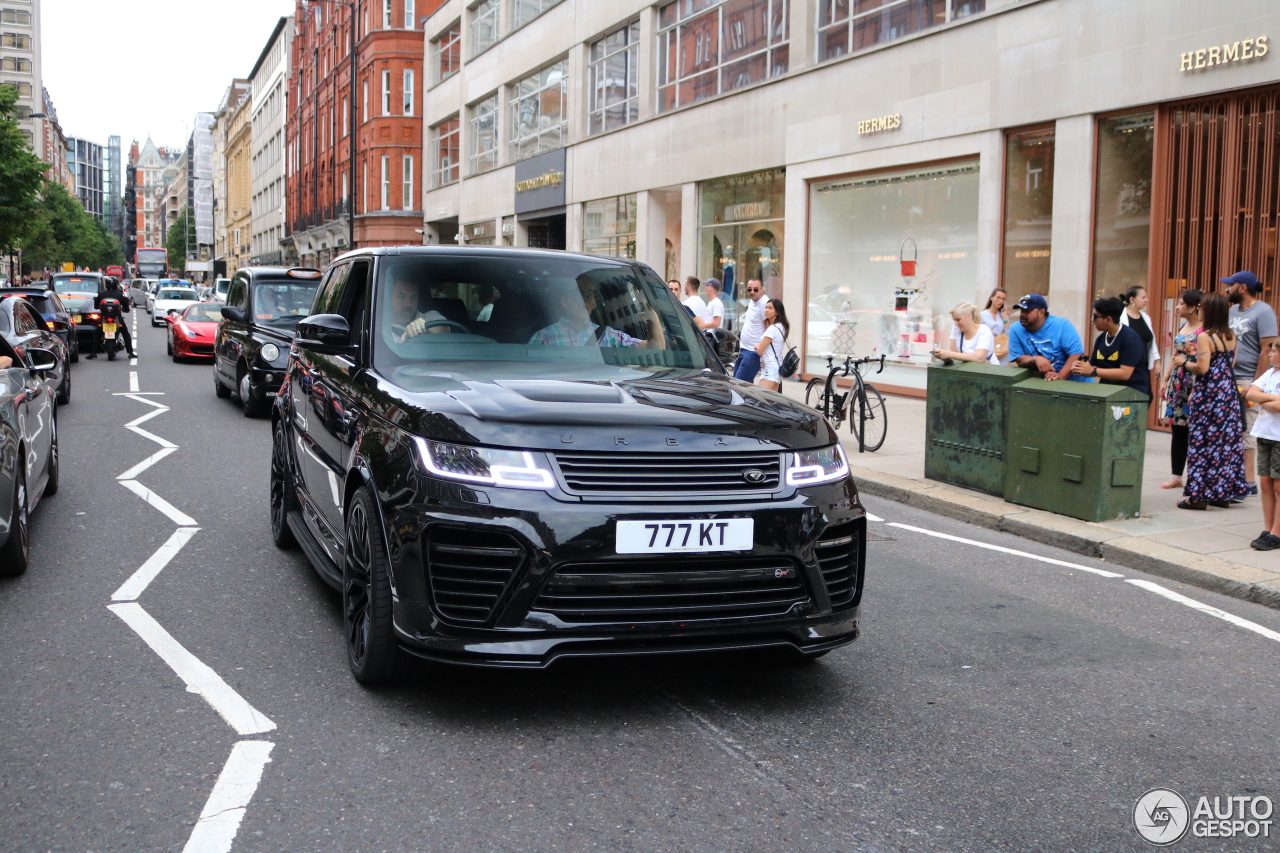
pixel 868 416
pixel 813 392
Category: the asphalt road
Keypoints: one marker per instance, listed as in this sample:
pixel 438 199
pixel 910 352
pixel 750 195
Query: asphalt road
pixel 994 702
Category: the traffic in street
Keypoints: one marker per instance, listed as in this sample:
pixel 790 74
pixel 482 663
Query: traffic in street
pixel 176 681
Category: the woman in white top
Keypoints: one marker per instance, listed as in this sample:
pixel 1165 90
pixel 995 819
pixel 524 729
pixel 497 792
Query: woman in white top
pixel 773 346
pixel 970 340
pixel 995 316
pixel 1135 316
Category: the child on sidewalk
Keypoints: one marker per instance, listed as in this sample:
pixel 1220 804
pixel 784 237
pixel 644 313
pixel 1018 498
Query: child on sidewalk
pixel 1265 394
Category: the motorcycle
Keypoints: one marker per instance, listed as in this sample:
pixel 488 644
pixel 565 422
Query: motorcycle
pixel 112 333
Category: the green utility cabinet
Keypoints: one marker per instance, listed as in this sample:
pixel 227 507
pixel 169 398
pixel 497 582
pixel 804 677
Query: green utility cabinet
pixel 1076 448
pixel 967 424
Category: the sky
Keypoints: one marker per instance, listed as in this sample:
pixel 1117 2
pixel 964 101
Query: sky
pixel 137 67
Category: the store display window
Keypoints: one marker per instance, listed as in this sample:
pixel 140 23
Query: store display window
pixel 740 235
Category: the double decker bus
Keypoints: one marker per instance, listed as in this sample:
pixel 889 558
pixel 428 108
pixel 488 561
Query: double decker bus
pixel 152 263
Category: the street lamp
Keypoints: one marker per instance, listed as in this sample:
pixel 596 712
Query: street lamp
pixel 352 5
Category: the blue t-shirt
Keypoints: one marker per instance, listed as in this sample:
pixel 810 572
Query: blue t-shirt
pixel 1056 340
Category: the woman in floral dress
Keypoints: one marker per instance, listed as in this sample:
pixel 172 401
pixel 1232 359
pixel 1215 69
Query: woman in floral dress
pixel 1177 390
pixel 1215 457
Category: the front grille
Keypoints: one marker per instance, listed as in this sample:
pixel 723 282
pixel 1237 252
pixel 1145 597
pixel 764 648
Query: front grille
pixel 669 473
pixel 201 349
pixel 838 552
pixel 671 589
pixel 470 570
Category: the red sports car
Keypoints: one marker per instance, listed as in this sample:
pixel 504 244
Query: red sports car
pixel 191 333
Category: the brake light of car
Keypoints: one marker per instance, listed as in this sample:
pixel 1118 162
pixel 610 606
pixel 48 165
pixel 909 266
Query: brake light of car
pixel 95 316
pixel 303 273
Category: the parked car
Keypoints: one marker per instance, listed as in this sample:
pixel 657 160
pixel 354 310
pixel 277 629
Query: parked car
pixel 54 313
pixel 171 297
pixel 574 476
pixel 218 292
pixel 191 333
pixel 25 331
pixel 29 427
pixel 138 290
pixel 264 305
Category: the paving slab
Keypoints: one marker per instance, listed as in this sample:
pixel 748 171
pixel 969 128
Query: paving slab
pixel 1204 541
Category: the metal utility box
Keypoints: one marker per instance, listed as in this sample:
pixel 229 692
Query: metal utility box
pixel 1076 448
pixel 967 424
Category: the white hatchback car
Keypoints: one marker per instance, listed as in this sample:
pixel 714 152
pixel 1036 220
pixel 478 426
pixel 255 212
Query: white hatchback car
pixel 171 299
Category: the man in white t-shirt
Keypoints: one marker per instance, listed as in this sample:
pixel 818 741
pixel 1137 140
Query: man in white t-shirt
pixel 748 364
pixel 1264 394
pixel 693 301
pixel 713 314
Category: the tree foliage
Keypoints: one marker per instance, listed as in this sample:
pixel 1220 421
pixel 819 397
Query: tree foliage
pixel 21 173
pixel 176 240
pixel 62 231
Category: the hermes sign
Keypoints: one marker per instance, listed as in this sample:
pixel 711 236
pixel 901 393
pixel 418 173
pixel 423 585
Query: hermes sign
pixel 1240 51
pixel 882 123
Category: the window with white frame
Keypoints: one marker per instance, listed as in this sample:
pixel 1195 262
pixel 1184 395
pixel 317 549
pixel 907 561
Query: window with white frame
pixel 385 196
pixel 408 91
pixel 13 63
pixel 407 181
pixel 16 16
pixel 484 25
pixel 365 94
pixel 539 112
pixel 23 87
pixel 843 30
pixel 386 14
pixel 444 138
pixel 346 118
pixel 715 46
pixel 446 51
pixel 483 134
pixel 613 88
pixel 386 91
pixel 527 10
pixel 410 15
pixel 21 41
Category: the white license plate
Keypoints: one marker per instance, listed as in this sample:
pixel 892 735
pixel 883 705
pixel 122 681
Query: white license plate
pixel 685 535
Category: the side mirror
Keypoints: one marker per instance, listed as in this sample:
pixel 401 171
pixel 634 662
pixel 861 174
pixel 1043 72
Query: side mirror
pixel 232 313
pixel 325 333
pixel 41 359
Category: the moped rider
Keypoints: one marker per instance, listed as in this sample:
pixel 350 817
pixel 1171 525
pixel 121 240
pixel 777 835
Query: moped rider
pixel 113 293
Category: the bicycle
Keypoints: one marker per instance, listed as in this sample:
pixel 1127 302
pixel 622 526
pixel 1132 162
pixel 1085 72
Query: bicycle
pixel 863 403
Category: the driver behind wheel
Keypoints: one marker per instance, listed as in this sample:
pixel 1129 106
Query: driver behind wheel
pixel 406 321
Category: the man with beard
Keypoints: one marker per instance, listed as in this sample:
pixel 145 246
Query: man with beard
pixel 1254 323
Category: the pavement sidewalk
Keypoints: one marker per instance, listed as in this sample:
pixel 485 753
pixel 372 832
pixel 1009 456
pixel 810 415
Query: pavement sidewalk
pixel 1207 549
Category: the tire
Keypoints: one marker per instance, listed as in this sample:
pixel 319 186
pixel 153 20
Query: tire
pixel 110 347
pixel 252 408
pixel 284 499
pixel 873 423
pixel 75 351
pixel 168 346
pixel 55 464
pixel 17 548
pixel 64 391
pixel 813 392
pixel 220 391
pixel 373 653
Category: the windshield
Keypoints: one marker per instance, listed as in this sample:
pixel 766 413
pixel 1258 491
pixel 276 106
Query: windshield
pixel 283 302
pixel 75 284
pixel 548 310
pixel 204 312
pixel 177 293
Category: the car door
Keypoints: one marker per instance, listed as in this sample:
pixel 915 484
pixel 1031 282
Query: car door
pixel 44 338
pixel 309 397
pixel 228 344
pixel 38 392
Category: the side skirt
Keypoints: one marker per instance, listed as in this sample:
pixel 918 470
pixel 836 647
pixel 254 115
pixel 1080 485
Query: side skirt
pixel 324 567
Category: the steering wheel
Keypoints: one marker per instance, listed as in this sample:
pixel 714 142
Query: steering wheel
pixel 432 323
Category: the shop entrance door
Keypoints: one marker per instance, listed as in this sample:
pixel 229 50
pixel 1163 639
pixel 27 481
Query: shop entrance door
pixel 547 233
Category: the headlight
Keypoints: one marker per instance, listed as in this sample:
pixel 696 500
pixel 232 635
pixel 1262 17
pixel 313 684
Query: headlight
pixel 270 352
pixel 817 466
pixel 516 469
pixel 189 331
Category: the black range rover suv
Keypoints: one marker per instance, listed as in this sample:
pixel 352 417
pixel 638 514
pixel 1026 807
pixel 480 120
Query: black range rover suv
pixel 504 456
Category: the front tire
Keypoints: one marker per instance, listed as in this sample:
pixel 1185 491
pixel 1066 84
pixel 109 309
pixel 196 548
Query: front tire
pixel 373 652
pixel 873 421
pixel 75 352
pixel 17 548
pixel 252 408
pixel 284 499
pixel 220 391
pixel 64 391
pixel 55 464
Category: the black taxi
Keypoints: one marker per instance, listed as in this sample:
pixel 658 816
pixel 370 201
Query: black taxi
pixel 264 305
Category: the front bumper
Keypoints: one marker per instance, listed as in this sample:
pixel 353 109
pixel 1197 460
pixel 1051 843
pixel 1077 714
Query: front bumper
pixel 565 592
pixel 184 348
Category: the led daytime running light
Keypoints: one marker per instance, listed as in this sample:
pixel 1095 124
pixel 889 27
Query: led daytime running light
pixel 799 474
pixel 528 476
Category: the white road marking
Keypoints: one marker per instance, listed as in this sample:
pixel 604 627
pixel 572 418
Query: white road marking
pixel 175 515
pixel 1205 608
pixel 132 473
pixel 157 439
pixel 197 675
pixel 219 822
pixel 142 399
pixel 872 517
pixel 137 583
pixel 133 362
pixel 132 393
pixel 133 381
pixel 1003 550
pixel 159 410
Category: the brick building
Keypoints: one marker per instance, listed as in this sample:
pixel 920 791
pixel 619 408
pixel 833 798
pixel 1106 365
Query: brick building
pixel 388 127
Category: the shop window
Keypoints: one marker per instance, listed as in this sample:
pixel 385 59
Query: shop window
pixel 740 235
pixel 445 141
pixel 1122 217
pixel 609 227
pixel 539 112
pixel 483 134
pixel 858 302
pixel 484 25
pixel 446 51
pixel 613 87
pixel 714 46
pixel 1028 212
pixel 527 10
pixel 850 25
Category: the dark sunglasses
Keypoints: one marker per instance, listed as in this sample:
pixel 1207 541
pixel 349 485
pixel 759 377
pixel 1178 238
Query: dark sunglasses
pixel 753 290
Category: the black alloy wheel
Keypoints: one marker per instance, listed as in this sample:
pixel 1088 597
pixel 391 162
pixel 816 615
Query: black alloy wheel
pixel 17 548
pixel 55 462
pixel 372 649
pixel 284 499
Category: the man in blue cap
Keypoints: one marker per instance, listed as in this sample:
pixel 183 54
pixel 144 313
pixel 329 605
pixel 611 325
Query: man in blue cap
pixel 1047 343
pixel 1254 323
